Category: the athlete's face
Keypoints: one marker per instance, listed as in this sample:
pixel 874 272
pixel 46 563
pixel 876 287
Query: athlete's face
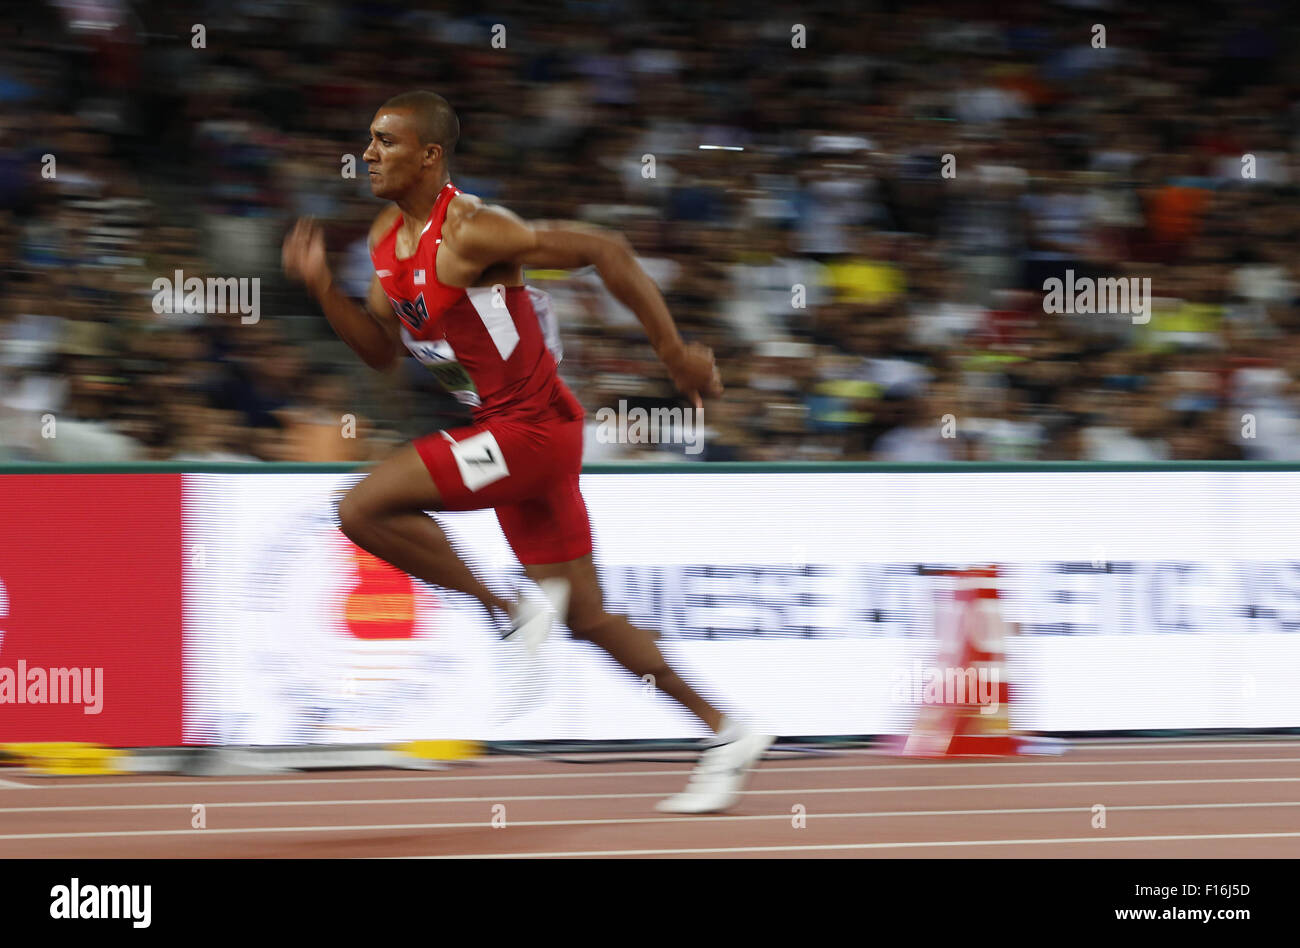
pixel 396 157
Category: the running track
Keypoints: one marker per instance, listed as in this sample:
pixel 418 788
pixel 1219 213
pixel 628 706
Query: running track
pixel 1203 798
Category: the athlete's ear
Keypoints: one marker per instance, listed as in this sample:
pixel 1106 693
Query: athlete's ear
pixel 432 153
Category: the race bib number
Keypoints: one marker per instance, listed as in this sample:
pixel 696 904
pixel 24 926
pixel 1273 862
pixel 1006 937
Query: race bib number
pixel 480 460
pixel 439 358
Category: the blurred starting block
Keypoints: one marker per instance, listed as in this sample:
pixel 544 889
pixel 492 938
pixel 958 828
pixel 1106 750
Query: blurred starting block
pixel 438 751
pixel 971 634
pixel 95 760
pixel 66 759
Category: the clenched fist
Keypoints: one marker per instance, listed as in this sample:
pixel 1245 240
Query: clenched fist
pixel 692 369
pixel 303 256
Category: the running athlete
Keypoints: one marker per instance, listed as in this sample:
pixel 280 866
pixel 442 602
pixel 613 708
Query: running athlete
pixel 449 288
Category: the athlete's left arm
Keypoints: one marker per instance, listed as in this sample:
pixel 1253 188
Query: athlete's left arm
pixel 490 235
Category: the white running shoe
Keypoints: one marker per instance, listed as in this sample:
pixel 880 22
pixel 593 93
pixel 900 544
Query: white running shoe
pixel 720 775
pixel 524 670
pixel 532 616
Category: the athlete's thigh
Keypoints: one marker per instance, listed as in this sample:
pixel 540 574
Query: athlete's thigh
pixel 398 483
pixel 500 462
pixel 549 524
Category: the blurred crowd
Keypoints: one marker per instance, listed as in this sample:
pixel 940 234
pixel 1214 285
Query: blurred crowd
pixel 865 251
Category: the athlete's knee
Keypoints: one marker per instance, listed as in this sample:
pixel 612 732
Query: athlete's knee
pixel 593 625
pixel 630 645
pixel 355 518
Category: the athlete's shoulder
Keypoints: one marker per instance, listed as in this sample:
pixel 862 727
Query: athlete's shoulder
pixel 383 223
pixel 472 223
pixel 469 209
pixel 463 203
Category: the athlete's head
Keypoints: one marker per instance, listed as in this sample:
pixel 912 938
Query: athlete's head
pixel 412 138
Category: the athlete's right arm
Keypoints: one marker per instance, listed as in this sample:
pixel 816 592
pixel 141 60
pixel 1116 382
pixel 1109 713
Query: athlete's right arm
pixel 372 331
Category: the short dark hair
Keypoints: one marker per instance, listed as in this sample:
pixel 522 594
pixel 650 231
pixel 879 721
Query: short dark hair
pixel 435 121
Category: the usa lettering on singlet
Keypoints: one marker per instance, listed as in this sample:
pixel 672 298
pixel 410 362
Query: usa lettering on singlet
pixel 493 348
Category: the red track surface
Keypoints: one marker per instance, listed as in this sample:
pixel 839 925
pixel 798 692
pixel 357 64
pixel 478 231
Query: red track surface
pixel 1206 798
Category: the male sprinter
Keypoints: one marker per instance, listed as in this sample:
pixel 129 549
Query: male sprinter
pixel 449 287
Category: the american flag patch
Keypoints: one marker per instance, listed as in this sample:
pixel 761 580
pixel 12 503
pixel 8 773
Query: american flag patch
pixel 419 278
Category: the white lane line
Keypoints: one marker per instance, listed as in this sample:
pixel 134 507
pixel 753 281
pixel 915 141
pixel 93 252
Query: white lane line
pixel 1118 744
pixel 501 798
pixel 859 846
pixel 13 784
pixel 770 767
pixel 598 821
pixel 1221 741
pixel 618 821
